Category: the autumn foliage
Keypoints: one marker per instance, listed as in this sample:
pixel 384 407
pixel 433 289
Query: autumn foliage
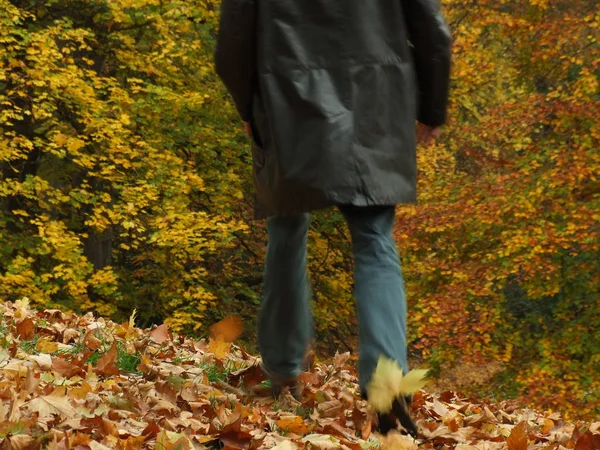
pixel 125 184
pixel 69 381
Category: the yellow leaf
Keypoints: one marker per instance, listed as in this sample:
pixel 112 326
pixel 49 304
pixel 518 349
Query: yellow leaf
pixel 80 392
pixel 60 139
pixel 413 381
pixel 22 307
pixel 45 345
pixel 389 382
pixel 131 327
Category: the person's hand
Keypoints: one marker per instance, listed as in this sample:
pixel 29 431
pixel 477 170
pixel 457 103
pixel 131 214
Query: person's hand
pixel 248 129
pixel 427 134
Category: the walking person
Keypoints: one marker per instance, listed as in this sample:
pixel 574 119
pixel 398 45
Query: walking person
pixel 329 92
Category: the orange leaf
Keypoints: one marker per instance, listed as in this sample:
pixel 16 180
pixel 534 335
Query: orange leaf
pixel 106 363
pixel 132 443
pixel 160 334
pixel 548 425
pixel 219 348
pixel 518 437
pixel 293 424
pixel 228 329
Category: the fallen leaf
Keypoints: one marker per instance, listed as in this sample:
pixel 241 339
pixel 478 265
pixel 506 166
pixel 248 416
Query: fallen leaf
pixel 65 368
pixel 160 334
pixel 43 360
pixel 46 345
pixel 168 440
pixel 95 445
pixel 21 307
pixel 321 441
pixel 54 403
pixel 293 424
pixel 236 440
pixel 132 443
pixel 80 392
pixel 285 445
pixel 548 425
pixel 339 360
pixel 26 329
pixel 70 334
pixel 219 348
pixel 106 363
pixel 228 329
pixel 331 408
pixel 397 441
pixel 91 341
pixel 19 442
pixel 588 441
pixel 518 437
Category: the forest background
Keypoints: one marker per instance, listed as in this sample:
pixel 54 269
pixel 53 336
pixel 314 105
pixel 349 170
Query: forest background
pixel 126 185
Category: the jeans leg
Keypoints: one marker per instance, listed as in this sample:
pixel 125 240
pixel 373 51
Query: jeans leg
pixel 379 288
pixel 285 319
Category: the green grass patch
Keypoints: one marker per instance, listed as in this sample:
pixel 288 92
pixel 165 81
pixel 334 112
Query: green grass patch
pixel 30 345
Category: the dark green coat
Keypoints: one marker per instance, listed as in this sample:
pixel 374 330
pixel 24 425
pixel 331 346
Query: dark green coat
pixel 332 89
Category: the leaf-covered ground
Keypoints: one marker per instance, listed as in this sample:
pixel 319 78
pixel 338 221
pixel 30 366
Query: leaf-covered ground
pixel 71 382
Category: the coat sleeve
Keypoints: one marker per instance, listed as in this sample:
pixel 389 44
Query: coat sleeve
pixel 430 38
pixel 235 56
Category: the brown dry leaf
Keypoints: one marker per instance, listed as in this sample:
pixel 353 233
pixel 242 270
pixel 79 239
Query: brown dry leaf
pixel 518 437
pixel 3 411
pixel 26 329
pixel 55 403
pixel 70 334
pixel 19 442
pixel 588 441
pixel 65 368
pixel 31 383
pixel 91 341
pixel 236 440
pixel 106 363
pixel 340 360
pixel 228 329
pixel 331 408
pixel 160 334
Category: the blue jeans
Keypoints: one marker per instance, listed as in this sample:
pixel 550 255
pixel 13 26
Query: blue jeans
pixel 285 321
